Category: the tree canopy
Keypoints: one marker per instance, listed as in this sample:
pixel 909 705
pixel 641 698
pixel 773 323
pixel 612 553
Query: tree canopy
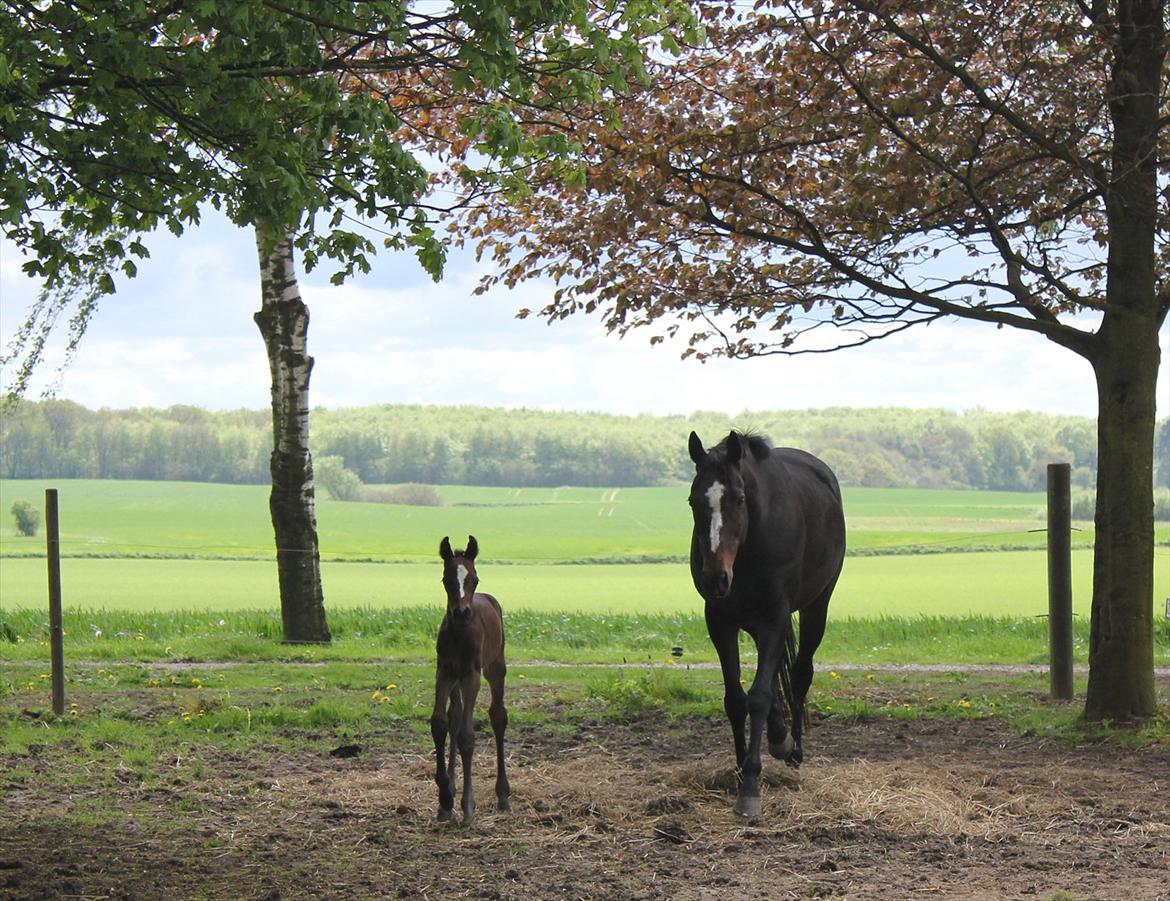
pixel 850 166
pixel 121 117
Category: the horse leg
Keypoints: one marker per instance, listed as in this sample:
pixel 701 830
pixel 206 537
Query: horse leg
pixel 470 688
pixel 780 740
pixel 454 724
pixel 439 728
pixel 499 718
pixel 759 704
pixel 812 630
pixel 726 641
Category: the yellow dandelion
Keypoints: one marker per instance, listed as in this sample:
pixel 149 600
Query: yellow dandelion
pixel 521 676
pixel 833 674
pixel 167 649
pixel 277 688
pixel 140 637
pixel 391 686
pixel 377 694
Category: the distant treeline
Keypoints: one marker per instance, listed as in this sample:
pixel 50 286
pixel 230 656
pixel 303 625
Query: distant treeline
pixel 881 447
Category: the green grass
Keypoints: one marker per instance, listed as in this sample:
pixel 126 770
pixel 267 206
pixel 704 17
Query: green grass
pixel 176 519
pixel 987 583
pixel 127 640
pixel 146 722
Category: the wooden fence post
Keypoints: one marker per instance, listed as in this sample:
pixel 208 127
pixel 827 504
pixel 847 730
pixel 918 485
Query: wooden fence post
pixel 56 630
pixel 1060 639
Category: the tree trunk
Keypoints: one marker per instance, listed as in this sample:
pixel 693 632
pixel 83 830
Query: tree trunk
pixel 283 320
pixel 1121 642
pixel 1125 360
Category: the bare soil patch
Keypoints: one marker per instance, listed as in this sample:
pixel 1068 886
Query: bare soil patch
pixel 882 809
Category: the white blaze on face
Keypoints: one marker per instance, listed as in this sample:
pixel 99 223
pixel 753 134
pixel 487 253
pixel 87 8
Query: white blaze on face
pixel 461 579
pixel 715 499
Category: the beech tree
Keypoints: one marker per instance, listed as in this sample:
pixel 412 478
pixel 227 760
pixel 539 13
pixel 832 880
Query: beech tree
pixel 119 117
pixel 824 174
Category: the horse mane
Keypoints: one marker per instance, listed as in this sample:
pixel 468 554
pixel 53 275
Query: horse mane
pixel 759 446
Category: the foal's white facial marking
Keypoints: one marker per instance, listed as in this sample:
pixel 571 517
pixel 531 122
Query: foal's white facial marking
pixel 715 499
pixel 461 578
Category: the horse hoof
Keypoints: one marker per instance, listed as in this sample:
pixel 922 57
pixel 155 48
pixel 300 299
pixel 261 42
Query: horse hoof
pixel 795 759
pixel 782 750
pixel 444 816
pixel 504 805
pixel 747 805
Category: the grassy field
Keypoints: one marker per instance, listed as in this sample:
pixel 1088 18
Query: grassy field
pixel 169 519
pixel 175 546
pixel 1003 583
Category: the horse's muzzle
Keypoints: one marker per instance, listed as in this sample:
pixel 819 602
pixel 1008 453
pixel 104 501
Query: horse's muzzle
pixel 718 583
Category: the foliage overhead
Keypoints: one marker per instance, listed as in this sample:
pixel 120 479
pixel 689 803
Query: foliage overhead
pixel 826 174
pixel 120 117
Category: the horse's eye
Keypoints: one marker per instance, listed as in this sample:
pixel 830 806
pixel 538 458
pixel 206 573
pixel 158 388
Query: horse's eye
pixel 739 500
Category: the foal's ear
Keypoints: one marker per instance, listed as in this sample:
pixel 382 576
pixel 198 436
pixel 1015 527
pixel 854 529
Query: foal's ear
pixel 472 548
pixel 445 549
pixel 734 448
pixel 695 446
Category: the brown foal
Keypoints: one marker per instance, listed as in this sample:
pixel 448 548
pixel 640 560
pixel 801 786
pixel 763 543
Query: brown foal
pixel 471 641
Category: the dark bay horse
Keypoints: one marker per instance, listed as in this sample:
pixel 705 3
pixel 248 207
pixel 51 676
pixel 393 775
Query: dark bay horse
pixel 471 642
pixel 769 541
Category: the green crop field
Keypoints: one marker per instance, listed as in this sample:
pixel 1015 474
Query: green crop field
pixel 179 519
pixel 1010 583
pixel 167 546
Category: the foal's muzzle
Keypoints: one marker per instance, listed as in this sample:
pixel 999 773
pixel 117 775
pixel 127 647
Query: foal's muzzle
pixel 461 615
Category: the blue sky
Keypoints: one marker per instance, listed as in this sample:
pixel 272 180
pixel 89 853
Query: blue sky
pixel 182 333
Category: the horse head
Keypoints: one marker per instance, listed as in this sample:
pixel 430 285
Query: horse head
pixel 719 506
pixel 459 578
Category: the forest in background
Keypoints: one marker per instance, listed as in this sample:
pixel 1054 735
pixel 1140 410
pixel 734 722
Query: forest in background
pixel 884 447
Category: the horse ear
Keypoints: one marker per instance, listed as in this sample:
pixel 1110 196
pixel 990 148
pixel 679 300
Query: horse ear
pixel 695 446
pixel 445 549
pixel 734 448
pixel 472 548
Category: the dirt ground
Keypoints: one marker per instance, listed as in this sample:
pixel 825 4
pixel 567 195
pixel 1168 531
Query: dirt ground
pixel 882 809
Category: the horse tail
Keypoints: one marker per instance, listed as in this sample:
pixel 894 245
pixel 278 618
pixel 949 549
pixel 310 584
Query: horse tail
pixel 787 656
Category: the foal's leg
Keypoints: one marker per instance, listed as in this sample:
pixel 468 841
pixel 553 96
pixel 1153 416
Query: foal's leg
pixel 439 727
pixel 469 686
pixel 499 716
pixel 812 630
pixel 454 724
